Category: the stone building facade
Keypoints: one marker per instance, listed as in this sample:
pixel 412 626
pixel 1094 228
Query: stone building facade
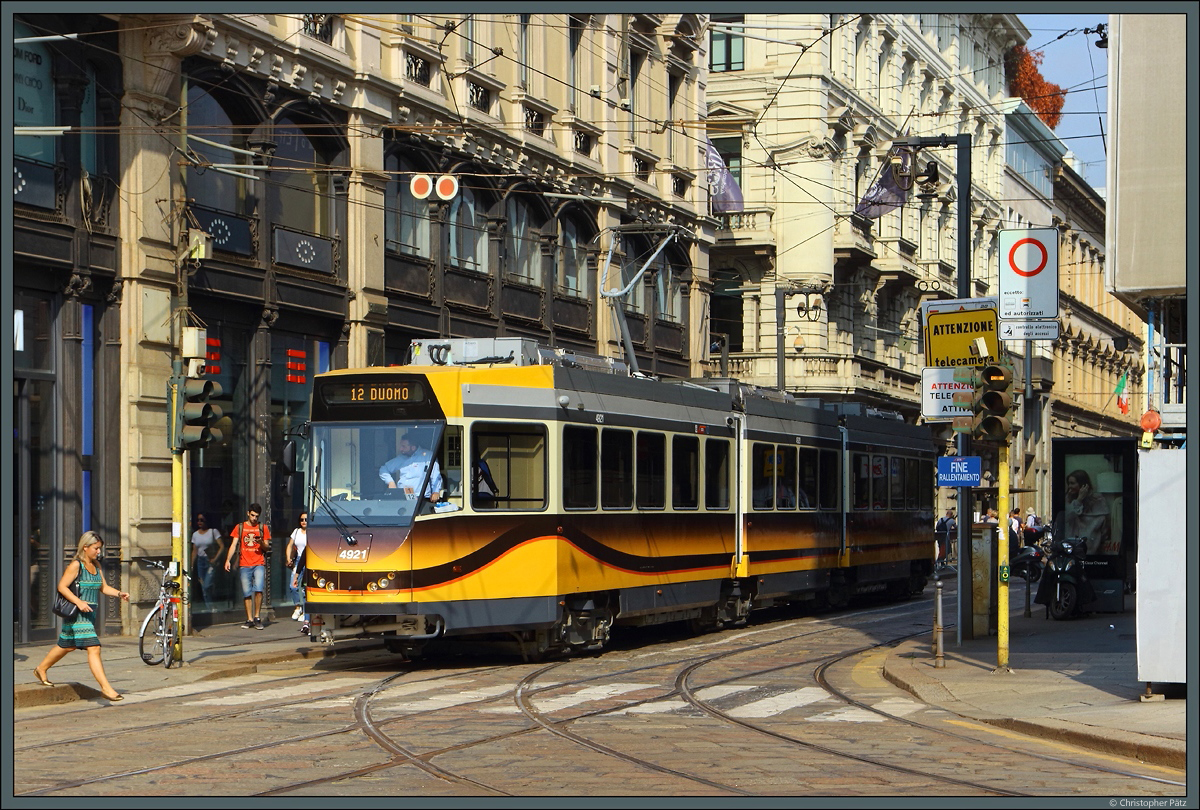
pixel 288 143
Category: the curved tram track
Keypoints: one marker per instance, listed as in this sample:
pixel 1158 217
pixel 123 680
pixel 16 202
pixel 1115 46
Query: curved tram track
pixel 528 703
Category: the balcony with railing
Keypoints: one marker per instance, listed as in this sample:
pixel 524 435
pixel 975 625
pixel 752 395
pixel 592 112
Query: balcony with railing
pixel 746 227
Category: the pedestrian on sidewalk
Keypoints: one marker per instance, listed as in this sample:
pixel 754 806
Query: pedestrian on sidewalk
pixel 251 540
pixel 295 561
pixel 84 568
pixel 944 531
pixel 1033 527
pixel 1014 532
pixel 207 548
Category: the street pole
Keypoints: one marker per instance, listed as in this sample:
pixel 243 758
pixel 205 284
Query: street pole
pixel 780 301
pixel 963 448
pixel 1002 563
pixel 178 471
pixel 965 623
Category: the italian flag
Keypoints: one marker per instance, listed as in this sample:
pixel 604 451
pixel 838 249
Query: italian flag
pixel 1122 397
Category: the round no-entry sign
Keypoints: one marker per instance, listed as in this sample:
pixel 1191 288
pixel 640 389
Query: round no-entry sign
pixel 1028 289
pixel 1023 257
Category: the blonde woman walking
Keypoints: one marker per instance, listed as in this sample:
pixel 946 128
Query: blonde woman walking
pixel 81 631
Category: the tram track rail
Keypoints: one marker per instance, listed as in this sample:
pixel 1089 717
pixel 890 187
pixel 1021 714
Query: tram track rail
pixel 680 685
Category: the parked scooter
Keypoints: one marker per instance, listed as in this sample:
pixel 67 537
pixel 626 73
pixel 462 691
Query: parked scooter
pixel 1031 559
pixel 1064 586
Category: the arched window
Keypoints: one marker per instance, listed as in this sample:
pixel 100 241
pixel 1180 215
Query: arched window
pixel 637 250
pixel 570 259
pixel 301 180
pixel 89 139
pixel 467 231
pixel 407 218
pixel 670 280
pixel 207 119
pixel 525 223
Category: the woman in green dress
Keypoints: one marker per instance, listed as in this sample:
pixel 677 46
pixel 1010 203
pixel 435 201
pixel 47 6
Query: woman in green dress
pixel 81 632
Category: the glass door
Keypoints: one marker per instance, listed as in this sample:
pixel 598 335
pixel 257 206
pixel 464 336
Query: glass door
pixel 35 550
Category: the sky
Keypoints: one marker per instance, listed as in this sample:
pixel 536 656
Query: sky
pixel 1076 64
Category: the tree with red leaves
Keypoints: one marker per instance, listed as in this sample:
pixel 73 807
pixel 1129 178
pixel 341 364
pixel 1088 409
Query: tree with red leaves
pixel 1026 81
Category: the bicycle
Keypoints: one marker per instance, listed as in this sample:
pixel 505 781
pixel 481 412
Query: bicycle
pixel 160 628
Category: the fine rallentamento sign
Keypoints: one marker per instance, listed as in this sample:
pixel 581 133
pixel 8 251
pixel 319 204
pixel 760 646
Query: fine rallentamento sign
pixel 959 471
pixel 952 337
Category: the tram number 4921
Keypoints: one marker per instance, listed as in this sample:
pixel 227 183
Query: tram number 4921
pixel 359 554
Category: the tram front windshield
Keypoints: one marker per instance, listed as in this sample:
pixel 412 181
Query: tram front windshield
pixel 373 474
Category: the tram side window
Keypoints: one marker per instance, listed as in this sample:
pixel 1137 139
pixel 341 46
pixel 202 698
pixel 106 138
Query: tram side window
pixel 450 460
pixel 616 469
pixel 785 477
pixel 879 482
pixel 651 470
pixel 762 475
pixel 716 474
pixel 579 467
pixel 515 455
pixel 926 485
pixel 897 484
pixel 860 481
pixel 912 484
pixel 685 472
pixel 830 480
pixel 806 495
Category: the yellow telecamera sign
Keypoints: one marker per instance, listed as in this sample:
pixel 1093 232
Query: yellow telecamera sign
pixel 951 338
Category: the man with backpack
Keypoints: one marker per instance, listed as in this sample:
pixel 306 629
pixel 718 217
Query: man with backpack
pixel 252 541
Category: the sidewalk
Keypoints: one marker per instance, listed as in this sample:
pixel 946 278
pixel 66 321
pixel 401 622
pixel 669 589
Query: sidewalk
pixel 219 651
pixel 1071 681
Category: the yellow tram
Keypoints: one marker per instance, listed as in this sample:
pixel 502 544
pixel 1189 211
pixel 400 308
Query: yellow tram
pixel 494 489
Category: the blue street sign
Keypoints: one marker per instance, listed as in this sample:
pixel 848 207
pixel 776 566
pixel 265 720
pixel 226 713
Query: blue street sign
pixel 959 471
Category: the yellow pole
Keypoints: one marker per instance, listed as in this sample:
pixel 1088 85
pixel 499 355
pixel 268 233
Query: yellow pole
pixel 177 524
pixel 1002 561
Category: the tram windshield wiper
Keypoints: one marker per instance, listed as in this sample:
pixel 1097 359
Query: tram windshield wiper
pixel 329 508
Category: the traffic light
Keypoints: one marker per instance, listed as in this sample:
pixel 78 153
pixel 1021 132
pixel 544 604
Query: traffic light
pixel 993 401
pixel 194 414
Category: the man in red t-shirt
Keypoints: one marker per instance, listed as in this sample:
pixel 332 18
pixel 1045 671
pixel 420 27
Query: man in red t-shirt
pixel 252 541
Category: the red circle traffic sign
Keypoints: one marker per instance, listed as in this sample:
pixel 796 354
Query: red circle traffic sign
pixel 1012 252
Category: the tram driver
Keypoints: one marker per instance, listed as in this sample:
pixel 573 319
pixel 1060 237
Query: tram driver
pixel 407 469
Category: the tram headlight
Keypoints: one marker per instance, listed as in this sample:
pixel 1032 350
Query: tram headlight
pixel 383 582
pixel 371 586
pixel 320 582
pixel 391 575
pixel 329 586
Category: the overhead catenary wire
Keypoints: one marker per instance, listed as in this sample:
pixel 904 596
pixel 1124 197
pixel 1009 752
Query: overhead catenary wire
pixel 341 169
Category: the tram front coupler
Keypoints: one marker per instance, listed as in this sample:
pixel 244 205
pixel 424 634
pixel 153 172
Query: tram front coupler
pixel 406 628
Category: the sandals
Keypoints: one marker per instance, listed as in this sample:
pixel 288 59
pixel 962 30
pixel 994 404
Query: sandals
pixel 41 678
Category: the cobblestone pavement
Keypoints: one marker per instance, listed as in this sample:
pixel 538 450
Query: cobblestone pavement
pixel 1072 682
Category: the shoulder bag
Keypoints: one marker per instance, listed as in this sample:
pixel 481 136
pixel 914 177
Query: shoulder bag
pixel 63 606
